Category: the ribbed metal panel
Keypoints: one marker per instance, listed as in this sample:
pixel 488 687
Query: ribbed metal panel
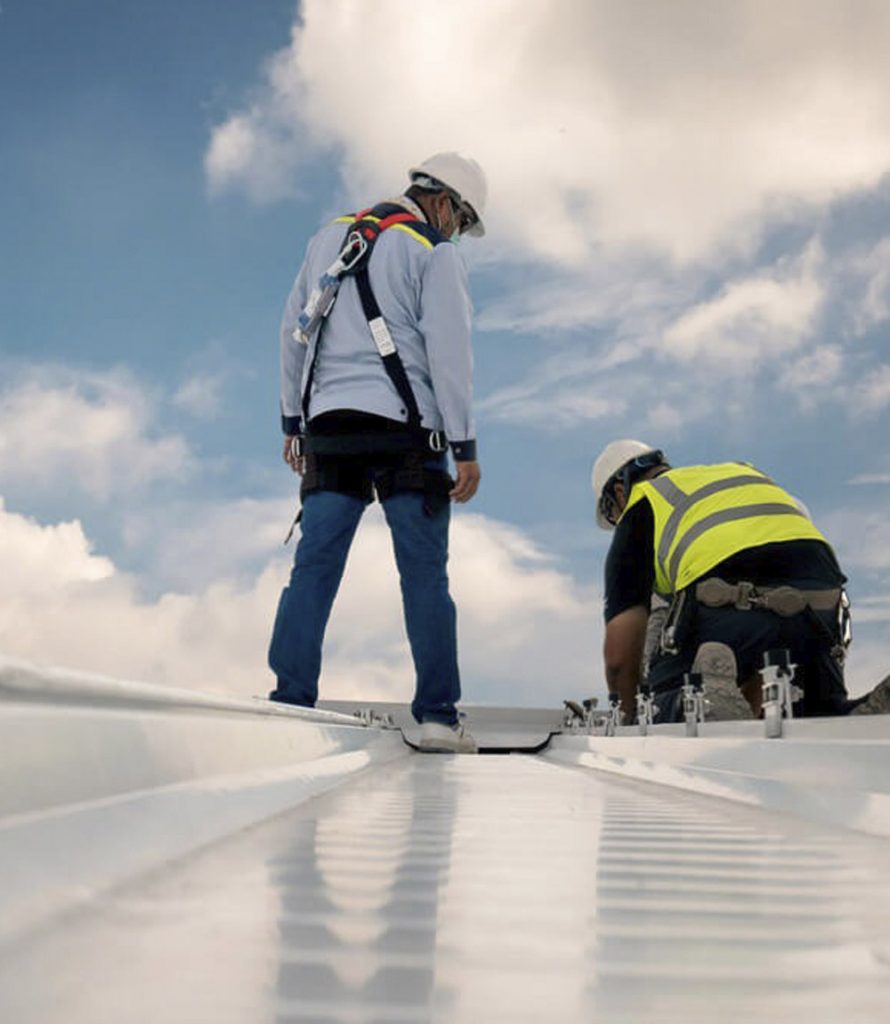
pixel 483 889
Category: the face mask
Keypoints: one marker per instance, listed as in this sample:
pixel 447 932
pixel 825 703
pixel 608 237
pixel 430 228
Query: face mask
pixel 455 237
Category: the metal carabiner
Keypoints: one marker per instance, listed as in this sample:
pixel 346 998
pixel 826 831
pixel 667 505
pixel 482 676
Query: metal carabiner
pixel 845 620
pixel 353 249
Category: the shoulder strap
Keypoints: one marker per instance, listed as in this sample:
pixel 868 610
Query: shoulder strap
pixel 370 224
pixel 386 347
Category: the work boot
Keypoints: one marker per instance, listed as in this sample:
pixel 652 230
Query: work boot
pixel 724 702
pixel 877 702
pixel 438 738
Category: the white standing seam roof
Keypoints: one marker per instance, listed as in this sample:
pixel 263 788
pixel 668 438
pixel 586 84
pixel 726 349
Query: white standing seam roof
pixel 289 868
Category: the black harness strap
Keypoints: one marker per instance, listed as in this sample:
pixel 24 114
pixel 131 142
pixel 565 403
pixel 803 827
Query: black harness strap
pixel 389 354
pixel 392 361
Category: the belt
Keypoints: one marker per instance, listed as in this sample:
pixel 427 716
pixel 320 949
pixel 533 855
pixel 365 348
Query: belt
pixel 785 601
pixel 430 441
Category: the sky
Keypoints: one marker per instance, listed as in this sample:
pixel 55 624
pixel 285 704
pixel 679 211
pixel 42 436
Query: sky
pixel 688 243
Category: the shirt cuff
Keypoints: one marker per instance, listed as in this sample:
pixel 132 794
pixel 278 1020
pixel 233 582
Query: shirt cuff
pixel 464 451
pixel 292 425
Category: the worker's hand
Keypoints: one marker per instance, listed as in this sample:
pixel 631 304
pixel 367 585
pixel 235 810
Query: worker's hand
pixel 296 462
pixel 468 476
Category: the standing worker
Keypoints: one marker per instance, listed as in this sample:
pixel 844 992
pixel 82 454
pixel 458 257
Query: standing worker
pixel 744 569
pixel 376 384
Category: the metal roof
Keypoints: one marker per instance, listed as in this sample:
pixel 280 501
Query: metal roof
pixel 170 862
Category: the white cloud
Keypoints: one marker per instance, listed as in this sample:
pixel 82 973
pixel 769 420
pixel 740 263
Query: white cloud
pixel 753 320
pixel 874 609
pixel 678 366
pixel 62 604
pixel 62 552
pixel 874 268
pixel 817 368
pixel 873 393
pixel 870 478
pixel 62 429
pixel 615 124
pixel 201 396
pixel 563 390
pixel 861 537
pixel 191 543
pixel 564 407
pixel 259 149
pixel 528 634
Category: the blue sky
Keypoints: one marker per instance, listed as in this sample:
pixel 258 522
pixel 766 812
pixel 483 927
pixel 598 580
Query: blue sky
pixel 689 242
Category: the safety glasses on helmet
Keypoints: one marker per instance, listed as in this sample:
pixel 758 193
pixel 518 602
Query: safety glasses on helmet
pixel 629 473
pixel 464 214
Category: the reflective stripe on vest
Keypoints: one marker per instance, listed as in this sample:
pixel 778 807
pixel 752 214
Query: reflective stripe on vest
pixel 705 514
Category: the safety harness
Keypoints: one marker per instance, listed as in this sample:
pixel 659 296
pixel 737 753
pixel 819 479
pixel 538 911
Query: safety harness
pixel 352 260
pixel 405 462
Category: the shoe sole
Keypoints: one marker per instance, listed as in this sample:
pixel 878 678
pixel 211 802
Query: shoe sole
pixel 877 702
pixel 437 747
pixel 716 664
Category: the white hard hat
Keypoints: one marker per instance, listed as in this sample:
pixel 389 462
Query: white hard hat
pixel 463 176
pixel 613 458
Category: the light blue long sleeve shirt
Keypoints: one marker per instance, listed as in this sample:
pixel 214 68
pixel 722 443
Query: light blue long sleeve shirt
pixel 424 298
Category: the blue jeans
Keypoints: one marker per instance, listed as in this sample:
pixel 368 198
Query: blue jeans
pixel 420 540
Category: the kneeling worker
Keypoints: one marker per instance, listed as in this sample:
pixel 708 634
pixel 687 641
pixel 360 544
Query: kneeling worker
pixel 376 384
pixel 744 569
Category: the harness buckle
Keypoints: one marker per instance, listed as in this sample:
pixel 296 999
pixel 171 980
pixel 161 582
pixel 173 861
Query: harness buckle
pixel 438 441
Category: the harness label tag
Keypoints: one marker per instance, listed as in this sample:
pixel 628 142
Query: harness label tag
pixel 382 338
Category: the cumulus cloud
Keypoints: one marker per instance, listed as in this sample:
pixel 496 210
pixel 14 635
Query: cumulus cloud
pixel 62 551
pixel 82 430
pixel 675 354
pixel 751 320
pixel 529 634
pixel 61 603
pixel 616 124
pixel 201 395
pixel 553 412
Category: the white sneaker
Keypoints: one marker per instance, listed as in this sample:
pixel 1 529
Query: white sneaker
pixel 435 737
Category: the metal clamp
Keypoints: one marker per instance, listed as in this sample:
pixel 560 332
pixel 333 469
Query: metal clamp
pixel 580 717
pixel 646 709
pixel 693 702
pixel 615 717
pixel 374 719
pixel 779 691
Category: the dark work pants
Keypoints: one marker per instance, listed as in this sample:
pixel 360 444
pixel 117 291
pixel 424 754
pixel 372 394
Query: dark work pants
pixel 809 637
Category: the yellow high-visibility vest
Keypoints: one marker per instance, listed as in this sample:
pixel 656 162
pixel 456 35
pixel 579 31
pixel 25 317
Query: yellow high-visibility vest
pixel 704 514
